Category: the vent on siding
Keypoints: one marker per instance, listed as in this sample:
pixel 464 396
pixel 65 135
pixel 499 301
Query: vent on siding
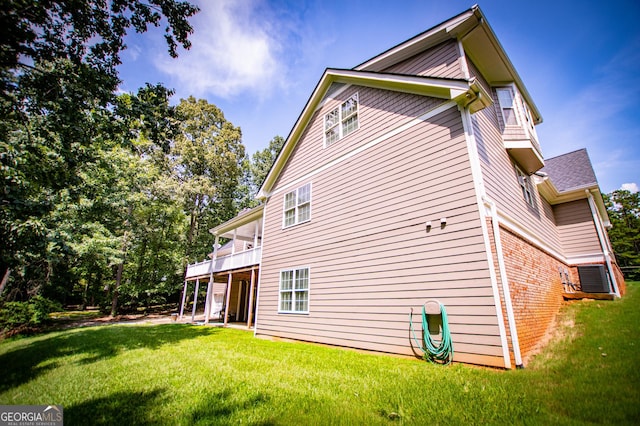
pixel 593 279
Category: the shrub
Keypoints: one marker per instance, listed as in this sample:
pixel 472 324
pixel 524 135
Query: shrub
pixel 18 316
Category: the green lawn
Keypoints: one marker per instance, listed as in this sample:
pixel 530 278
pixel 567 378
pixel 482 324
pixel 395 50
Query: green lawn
pixel 179 374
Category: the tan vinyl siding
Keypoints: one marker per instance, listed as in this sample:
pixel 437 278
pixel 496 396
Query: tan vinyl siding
pixel 370 257
pixel 375 106
pixel 500 179
pixel 576 228
pixel 439 61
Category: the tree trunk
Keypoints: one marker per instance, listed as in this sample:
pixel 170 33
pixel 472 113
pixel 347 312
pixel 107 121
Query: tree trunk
pixel 116 288
pixel 114 299
pixel 84 294
pixel 5 280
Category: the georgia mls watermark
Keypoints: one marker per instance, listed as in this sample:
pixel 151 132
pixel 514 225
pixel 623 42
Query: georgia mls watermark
pixel 31 415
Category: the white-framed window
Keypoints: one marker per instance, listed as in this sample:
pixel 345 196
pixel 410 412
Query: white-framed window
pixel 294 291
pixel 297 206
pixel 341 121
pixel 526 186
pixel 507 106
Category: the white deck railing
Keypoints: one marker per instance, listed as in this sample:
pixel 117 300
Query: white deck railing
pixel 225 263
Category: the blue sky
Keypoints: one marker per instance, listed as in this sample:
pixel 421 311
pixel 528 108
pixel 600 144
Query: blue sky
pixel 260 60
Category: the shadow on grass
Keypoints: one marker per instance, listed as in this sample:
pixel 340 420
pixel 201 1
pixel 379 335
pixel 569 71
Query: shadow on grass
pixel 221 407
pixel 121 408
pixel 25 363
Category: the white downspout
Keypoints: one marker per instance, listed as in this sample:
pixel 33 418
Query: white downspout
pixel 603 244
pixel 505 283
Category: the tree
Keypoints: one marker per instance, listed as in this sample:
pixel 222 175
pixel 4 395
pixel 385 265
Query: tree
pixel 207 161
pixel 58 80
pixel 263 160
pixel 624 211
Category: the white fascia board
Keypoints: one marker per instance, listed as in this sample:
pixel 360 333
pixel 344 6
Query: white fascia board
pixel 497 46
pixel 602 209
pixel 417 44
pixel 243 219
pixel 550 193
pixel 435 87
pixel 427 86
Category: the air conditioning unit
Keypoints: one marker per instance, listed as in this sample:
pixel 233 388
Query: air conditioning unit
pixel 593 279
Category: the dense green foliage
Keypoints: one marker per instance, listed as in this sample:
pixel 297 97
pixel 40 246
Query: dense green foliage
pixel 624 212
pixel 181 374
pixel 21 316
pixel 105 197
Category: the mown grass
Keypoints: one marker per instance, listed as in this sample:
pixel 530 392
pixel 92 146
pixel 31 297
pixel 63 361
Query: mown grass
pixel 183 375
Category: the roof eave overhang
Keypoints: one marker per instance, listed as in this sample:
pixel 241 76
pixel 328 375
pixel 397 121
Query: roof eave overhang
pixel 480 44
pixel 466 93
pixel 550 193
pixel 252 215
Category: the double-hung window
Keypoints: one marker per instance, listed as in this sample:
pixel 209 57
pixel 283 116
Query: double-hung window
pixel 341 121
pixel 297 206
pixel 525 185
pixel 294 291
pixel 507 106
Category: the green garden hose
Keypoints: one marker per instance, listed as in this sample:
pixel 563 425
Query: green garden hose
pixel 443 352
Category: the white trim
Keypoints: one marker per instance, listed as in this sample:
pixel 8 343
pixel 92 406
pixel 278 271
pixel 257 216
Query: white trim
pixel 339 125
pixel 295 207
pixel 585 258
pixel 293 289
pixel 462 59
pixel 514 227
pixel 184 298
pixel 228 298
pixel 416 44
pixel 504 278
pixel 446 89
pixel 429 114
pixel 510 88
pixel 195 299
pixel 526 186
pixel 476 172
pixel 333 96
pixel 603 244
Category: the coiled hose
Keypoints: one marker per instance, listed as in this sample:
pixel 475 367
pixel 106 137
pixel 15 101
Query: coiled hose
pixel 443 352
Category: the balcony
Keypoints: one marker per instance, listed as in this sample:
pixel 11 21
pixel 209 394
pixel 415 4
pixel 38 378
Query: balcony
pixel 225 263
pixel 526 152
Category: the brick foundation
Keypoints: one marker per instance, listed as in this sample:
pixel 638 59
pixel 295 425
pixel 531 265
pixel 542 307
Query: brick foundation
pixel 535 287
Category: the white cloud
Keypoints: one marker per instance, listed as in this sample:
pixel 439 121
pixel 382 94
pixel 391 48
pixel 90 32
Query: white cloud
pixel 631 187
pixel 233 50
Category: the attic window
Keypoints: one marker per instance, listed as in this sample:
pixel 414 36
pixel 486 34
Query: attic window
pixel 507 106
pixel 341 121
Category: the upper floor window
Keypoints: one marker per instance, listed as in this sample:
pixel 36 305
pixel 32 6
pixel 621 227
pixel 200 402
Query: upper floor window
pixel 507 106
pixel 526 186
pixel 294 291
pixel 341 121
pixel 297 206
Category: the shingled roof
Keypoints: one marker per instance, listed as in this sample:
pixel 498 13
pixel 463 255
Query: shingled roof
pixel 570 171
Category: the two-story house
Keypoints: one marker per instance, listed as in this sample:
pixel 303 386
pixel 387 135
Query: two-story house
pixel 417 175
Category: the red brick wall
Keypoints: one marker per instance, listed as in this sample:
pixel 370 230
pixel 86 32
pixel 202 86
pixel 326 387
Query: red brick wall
pixel 622 286
pixel 535 287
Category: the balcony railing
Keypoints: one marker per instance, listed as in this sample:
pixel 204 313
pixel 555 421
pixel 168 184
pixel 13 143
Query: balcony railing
pixel 225 263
